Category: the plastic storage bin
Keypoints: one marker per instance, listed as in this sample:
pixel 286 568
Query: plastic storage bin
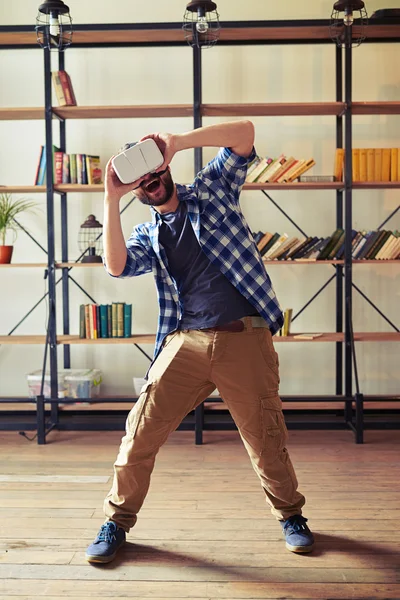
pixel 83 383
pixel 35 381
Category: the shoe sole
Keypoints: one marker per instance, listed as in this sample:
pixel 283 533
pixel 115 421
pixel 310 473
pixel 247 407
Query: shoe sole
pixel 300 549
pixel 103 559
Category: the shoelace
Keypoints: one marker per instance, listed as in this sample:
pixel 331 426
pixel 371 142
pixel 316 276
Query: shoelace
pixel 107 533
pixel 297 524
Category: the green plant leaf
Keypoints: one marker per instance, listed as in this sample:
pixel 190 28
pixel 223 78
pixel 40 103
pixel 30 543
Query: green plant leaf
pixel 9 209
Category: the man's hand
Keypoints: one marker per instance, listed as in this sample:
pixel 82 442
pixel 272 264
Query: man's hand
pixel 166 144
pixel 114 188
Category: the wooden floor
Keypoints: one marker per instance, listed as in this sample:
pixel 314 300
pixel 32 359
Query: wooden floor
pixel 204 531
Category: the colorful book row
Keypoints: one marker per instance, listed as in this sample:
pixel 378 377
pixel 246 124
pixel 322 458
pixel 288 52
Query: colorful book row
pixel 277 170
pixel 366 245
pixel 370 164
pixel 69 168
pixel 105 320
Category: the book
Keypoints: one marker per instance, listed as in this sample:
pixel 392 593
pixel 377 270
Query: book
pixel 93 169
pixel 114 320
pixel 82 322
pixel 264 241
pixel 103 321
pixel 67 88
pixel 120 319
pixel 386 161
pixel 378 164
pixel 356 164
pixel 394 174
pixel 287 319
pixel 316 178
pixel 370 164
pixel 302 169
pixel 339 163
pixel 363 164
pixel 58 88
pixel 39 164
pixel 127 320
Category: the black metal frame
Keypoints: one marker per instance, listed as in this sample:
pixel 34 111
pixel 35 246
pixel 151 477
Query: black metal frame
pixel 344 283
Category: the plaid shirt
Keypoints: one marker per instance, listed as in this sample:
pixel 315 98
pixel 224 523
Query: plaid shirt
pixel 219 225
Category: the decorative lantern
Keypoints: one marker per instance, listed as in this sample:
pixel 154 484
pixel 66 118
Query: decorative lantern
pixel 89 240
pixel 54 25
pixel 348 13
pixel 201 23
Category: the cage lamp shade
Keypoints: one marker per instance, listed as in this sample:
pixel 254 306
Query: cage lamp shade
pixel 201 23
pixel 53 25
pixel 349 20
pixel 90 240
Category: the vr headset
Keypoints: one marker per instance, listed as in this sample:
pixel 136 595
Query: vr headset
pixel 138 160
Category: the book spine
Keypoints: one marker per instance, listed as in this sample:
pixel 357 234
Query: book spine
pixel 72 168
pixel 58 89
pixel 82 323
pixel 109 320
pixel 38 165
pixel 103 321
pixel 127 320
pixel 65 87
pixel 120 319
pixel 114 320
pixel 87 322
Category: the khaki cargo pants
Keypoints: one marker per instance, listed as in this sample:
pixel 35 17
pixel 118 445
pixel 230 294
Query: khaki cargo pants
pixel 244 367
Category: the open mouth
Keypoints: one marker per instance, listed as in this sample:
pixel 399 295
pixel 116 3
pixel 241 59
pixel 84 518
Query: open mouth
pixel 153 186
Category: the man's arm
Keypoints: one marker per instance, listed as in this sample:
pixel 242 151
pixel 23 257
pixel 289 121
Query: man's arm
pixel 115 250
pixel 236 135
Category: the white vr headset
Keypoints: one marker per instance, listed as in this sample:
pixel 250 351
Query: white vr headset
pixel 138 160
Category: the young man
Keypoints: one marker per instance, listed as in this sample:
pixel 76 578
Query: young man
pixel 218 313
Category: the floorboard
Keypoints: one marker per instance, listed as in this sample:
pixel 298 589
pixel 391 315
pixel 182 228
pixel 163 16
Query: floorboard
pixel 205 531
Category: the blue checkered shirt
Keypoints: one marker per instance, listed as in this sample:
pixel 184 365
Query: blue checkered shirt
pixel 219 225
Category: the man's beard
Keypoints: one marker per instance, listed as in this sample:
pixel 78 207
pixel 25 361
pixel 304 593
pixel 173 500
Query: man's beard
pixel 167 186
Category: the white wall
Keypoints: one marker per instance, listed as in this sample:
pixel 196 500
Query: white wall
pixel 230 74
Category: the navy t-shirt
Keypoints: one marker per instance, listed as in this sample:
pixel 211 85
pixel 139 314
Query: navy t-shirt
pixel 207 296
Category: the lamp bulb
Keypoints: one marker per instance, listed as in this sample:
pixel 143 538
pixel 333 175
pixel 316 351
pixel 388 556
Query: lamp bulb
pixel 54 25
pixel 348 19
pixel 202 25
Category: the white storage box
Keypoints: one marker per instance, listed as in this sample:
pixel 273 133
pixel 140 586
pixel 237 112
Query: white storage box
pixel 35 381
pixel 83 383
pixel 138 383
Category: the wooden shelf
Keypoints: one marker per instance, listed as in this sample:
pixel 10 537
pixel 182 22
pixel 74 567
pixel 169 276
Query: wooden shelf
pixel 22 114
pixel 24 266
pixel 23 189
pixel 22 339
pixel 69 265
pixel 123 112
pixel 304 261
pixel 68 188
pixel 376 185
pixel 144 338
pixel 391 336
pixel 376 108
pixel 299 186
pixel 273 109
pixel 269 32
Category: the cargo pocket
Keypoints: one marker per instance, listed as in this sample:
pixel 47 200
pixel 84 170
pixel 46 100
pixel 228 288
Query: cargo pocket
pixel 135 414
pixel 274 426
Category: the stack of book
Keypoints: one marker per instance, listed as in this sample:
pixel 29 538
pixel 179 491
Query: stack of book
pixel 63 88
pixel 277 170
pixel 370 164
pixel 378 245
pixel 69 168
pixel 105 320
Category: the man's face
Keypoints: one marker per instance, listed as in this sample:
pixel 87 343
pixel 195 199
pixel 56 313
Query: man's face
pixel 155 190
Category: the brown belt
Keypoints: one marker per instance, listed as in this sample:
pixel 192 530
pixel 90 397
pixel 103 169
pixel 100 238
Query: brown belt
pixel 235 326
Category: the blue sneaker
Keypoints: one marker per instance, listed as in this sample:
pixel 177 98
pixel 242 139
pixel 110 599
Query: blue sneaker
pixel 104 548
pixel 298 536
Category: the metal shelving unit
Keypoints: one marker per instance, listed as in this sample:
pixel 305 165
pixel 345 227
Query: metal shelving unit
pixel 343 109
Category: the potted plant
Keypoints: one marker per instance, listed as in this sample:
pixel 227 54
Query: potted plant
pixel 9 209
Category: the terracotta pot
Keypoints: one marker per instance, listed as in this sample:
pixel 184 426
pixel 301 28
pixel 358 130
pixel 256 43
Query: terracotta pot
pixel 6 254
